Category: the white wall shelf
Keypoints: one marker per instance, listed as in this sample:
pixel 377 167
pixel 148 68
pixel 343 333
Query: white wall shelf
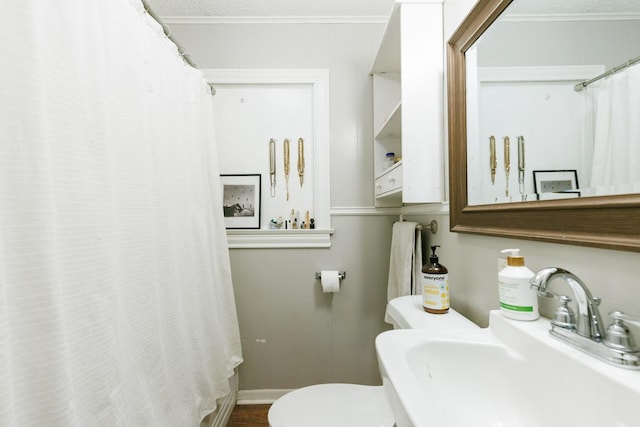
pixel 269 239
pixel 395 166
pixel 408 96
pixel 388 56
pixel 392 125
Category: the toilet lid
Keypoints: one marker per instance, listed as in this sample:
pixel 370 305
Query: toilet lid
pixel 335 405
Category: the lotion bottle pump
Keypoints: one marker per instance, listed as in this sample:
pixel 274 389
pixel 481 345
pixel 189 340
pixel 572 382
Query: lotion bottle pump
pixel 517 300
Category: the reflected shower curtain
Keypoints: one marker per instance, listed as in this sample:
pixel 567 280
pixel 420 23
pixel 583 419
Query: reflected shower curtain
pixel 116 304
pixel 616 110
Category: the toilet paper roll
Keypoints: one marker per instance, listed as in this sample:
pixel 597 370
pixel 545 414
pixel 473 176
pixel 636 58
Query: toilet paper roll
pixel 330 281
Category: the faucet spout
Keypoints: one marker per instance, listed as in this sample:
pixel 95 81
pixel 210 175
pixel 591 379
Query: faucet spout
pixel 589 321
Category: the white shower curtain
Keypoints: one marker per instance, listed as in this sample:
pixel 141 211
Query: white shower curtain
pixel 116 304
pixel 615 103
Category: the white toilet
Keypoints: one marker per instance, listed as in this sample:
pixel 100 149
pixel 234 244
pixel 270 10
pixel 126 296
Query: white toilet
pixel 354 405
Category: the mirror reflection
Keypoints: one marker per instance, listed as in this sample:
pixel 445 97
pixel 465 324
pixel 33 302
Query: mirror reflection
pixel 553 100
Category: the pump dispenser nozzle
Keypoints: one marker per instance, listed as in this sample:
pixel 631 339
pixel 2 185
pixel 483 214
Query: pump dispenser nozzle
pixel 514 258
pixel 513 252
pixel 433 258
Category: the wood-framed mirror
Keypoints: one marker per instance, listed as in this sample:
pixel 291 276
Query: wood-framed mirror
pixel 611 222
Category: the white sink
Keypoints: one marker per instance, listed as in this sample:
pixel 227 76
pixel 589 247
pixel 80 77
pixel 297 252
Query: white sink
pixel 512 373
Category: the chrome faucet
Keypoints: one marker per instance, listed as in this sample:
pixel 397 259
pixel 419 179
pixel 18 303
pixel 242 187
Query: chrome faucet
pixel 586 332
pixel 589 321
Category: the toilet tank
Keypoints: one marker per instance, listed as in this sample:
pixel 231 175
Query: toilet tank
pixel 406 313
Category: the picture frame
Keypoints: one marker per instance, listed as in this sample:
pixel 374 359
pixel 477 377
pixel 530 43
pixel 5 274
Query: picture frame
pixel 241 200
pixel 554 184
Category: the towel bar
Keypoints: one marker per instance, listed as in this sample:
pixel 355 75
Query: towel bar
pixel 432 226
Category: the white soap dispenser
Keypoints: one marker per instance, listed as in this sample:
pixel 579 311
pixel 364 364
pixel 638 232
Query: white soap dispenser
pixel 517 300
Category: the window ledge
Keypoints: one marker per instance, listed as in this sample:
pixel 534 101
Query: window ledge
pixel 269 239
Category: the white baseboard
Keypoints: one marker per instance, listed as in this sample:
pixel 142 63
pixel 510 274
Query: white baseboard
pixel 220 417
pixel 225 408
pixel 260 397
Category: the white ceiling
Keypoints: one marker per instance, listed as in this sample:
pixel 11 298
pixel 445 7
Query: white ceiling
pixel 570 7
pixel 273 8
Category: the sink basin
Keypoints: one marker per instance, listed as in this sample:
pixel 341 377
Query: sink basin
pixel 512 373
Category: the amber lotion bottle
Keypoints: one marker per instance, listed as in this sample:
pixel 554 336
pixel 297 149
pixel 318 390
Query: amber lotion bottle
pixel 435 285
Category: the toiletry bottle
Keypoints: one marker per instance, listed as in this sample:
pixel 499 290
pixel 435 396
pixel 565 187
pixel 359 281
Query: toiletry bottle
pixel 389 160
pixel 517 300
pixel 435 285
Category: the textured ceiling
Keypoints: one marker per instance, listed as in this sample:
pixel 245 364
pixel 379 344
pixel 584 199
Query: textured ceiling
pixel 337 8
pixel 365 8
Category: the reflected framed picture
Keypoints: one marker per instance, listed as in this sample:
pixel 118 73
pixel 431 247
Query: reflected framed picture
pixel 241 200
pixel 554 184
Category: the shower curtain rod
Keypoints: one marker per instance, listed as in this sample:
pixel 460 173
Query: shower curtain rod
pixel 581 86
pixel 186 58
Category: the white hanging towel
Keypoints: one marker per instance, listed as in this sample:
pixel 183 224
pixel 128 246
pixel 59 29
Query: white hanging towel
pixel 405 263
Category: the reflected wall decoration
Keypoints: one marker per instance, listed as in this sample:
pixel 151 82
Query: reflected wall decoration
pixel 241 200
pixel 552 184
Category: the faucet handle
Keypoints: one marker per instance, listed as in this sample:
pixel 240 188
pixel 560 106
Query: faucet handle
pixel 618 336
pixel 544 292
pixel 615 315
pixel 565 316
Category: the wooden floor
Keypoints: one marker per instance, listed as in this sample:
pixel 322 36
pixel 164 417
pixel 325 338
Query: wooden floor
pixel 249 416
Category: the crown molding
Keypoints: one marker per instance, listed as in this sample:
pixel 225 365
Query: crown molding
pixel 274 19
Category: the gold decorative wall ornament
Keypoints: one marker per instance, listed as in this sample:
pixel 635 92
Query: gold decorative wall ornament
pixel 493 163
pixel 521 164
pixel 507 163
pixel 286 164
pixel 301 160
pixel 272 166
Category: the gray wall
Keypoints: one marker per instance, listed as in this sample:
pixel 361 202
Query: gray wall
pixel 608 43
pixel 346 50
pixel 472 264
pixel 293 335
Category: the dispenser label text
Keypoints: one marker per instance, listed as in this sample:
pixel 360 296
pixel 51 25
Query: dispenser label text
pixel 435 291
pixel 517 297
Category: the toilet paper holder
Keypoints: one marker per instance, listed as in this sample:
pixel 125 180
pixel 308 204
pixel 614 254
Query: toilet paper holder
pixel 341 275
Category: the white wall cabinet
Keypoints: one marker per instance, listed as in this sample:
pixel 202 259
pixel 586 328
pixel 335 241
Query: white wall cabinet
pixel 408 80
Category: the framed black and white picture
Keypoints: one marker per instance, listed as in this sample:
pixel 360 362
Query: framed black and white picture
pixel 241 200
pixel 551 184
